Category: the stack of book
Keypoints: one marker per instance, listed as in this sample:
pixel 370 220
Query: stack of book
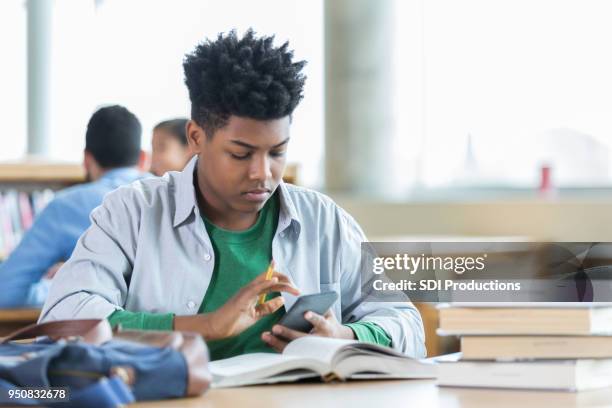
pixel 17 212
pixel 533 346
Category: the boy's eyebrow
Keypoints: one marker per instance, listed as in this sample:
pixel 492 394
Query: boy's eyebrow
pixel 249 146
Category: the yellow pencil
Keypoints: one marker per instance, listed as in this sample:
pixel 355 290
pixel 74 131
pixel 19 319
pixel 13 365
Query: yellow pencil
pixel 269 273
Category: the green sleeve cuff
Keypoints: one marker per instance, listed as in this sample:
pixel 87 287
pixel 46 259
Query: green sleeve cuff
pixel 142 321
pixel 370 333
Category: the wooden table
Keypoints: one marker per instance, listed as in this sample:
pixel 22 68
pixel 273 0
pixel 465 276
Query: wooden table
pixel 385 394
pixel 13 319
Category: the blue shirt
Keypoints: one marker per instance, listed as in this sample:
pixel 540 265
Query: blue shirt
pixel 52 238
pixel 148 250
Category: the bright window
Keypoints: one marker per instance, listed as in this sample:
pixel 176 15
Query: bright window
pixel 13 106
pixel 131 53
pixel 526 81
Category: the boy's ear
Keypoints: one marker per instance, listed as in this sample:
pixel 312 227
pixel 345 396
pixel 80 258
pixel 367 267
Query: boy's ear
pixel 195 136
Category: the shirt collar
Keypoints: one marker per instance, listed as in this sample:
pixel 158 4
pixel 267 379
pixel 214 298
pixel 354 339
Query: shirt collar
pixel 184 193
pixel 185 199
pixel 288 214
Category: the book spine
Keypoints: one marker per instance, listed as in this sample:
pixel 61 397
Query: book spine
pixel 18 211
pixel 7 229
pixel 25 210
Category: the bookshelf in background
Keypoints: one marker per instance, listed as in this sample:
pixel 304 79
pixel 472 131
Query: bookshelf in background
pixel 26 187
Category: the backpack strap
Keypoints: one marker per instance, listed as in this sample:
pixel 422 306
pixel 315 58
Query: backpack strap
pixel 93 331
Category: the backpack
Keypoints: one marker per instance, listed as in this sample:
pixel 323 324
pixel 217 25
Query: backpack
pixel 84 363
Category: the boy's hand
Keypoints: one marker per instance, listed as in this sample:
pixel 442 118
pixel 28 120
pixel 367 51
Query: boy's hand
pixel 241 311
pixel 324 326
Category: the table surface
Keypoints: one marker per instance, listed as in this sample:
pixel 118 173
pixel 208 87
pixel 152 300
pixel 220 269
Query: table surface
pixel 15 319
pixel 19 315
pixel 385 394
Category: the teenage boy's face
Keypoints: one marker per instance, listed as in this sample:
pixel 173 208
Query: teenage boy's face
pixel 242 164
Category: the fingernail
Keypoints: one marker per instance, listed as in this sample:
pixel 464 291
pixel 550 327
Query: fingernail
pixel 308 315
pixel 276 329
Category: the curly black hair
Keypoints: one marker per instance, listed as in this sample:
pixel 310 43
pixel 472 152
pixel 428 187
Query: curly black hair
pixel 245 77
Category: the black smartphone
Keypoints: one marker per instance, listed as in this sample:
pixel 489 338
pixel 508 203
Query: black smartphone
pixel 318 303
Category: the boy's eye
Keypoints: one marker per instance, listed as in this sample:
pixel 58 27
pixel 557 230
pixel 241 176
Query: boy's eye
pixel 240 156
pixel 277 154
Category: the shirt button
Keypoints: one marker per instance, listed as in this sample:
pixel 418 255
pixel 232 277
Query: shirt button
pixel 282 234
pixel 207 257
pixel 191 304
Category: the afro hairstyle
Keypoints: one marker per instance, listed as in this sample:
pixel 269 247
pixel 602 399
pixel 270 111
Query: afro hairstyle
pixel 246 77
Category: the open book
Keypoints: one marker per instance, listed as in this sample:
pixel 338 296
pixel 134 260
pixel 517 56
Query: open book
pixel 312 357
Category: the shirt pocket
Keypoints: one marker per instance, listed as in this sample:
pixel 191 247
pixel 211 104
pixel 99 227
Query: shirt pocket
pixel 335 287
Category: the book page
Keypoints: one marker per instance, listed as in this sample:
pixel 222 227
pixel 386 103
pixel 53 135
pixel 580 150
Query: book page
pixel 373 366
pixel 246 363
pixel 348 357
pixel 316 347
pixel 257 368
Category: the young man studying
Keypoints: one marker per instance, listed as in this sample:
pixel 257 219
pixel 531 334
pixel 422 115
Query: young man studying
pixel 189 251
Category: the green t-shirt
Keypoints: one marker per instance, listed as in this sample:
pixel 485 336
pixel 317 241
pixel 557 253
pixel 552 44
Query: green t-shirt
pixel 240 256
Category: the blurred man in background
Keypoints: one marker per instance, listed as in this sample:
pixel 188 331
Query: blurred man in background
pixel 112 158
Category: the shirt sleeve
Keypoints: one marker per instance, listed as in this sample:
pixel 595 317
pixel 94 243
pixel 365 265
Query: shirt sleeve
pixel 370 333
pixel 142 321
pixel 93 283
pixel 393 312
pixel 40 248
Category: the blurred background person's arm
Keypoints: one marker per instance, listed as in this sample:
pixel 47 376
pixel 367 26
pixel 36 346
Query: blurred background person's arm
pixel 42 246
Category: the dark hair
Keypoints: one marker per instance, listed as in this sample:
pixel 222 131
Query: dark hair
pixel 175 127
pixel 113 137
pixel 246 77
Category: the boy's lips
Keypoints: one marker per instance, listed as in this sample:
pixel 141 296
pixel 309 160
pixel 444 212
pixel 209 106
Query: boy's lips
pixel 257 195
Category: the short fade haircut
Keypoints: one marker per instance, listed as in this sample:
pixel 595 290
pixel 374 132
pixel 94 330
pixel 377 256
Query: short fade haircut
pixel 175 128
pixel 246 77
pixel 113 137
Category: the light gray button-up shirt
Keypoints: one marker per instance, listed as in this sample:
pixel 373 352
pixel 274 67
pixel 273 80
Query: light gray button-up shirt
pixel 147 250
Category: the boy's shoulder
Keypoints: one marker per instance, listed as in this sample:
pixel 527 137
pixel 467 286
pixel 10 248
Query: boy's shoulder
pixel 148 192
pixel 308 202
pixel 306 196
